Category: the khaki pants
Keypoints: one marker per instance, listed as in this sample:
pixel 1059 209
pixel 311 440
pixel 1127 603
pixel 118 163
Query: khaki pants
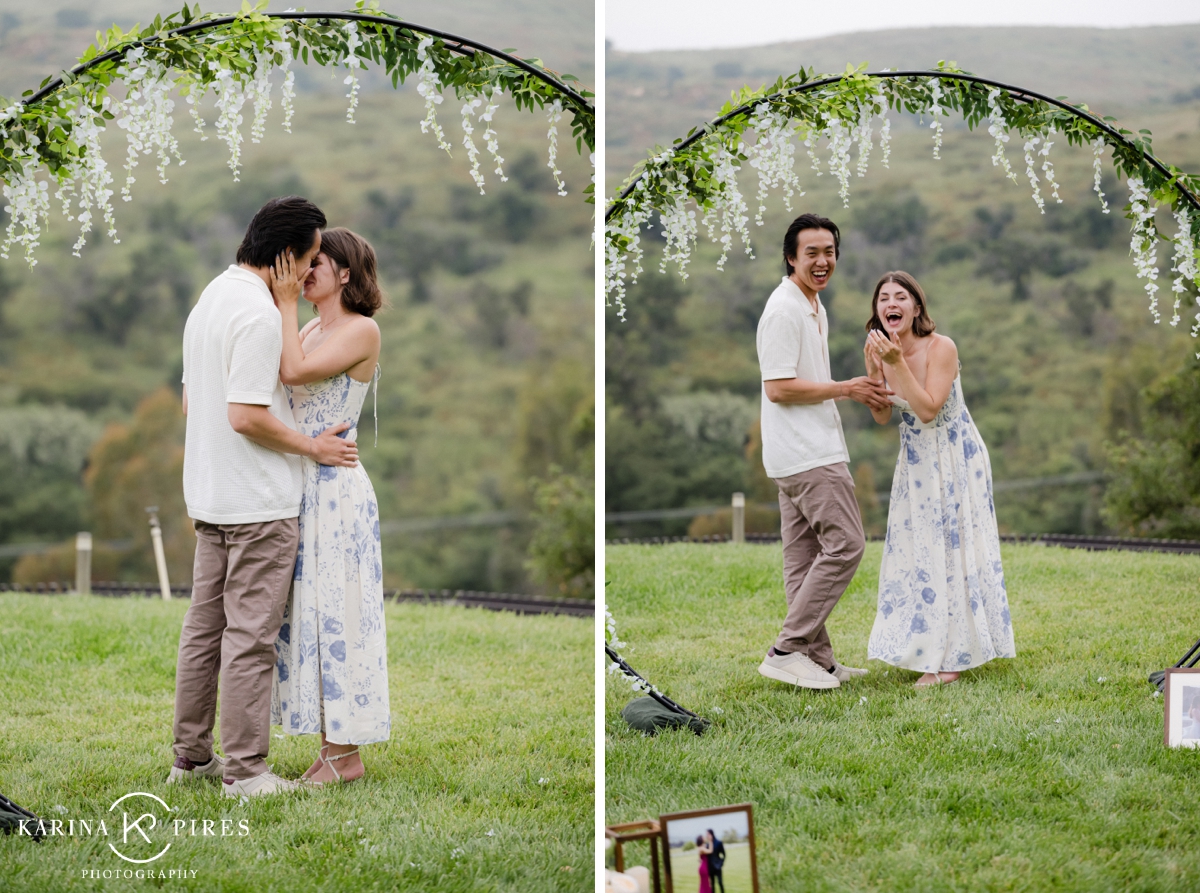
pixel 241 580
pixel 822 545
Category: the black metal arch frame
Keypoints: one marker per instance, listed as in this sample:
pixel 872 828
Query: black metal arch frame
pixel 462 45
pixel 1018 93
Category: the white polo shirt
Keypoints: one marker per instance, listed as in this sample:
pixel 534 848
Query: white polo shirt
pixel 231 348
pixel 793 342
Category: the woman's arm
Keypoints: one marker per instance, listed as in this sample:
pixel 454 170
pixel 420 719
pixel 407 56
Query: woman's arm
pixel 875 371
pixel 354 341
pixel 926 401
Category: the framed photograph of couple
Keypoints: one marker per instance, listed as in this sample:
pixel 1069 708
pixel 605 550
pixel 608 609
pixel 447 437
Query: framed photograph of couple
pixel 1181 691
pixel 710 850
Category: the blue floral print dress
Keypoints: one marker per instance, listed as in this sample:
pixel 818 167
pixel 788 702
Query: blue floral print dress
pixel 332 649
pixel 943 606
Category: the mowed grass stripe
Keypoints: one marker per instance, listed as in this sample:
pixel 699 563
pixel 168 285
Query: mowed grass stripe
pixel 486 784
pixel 1029 774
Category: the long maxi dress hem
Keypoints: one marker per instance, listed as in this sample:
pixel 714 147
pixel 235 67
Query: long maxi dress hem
pixel 943 604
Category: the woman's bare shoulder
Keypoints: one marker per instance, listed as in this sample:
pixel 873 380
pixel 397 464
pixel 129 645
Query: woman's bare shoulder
pixel 943 346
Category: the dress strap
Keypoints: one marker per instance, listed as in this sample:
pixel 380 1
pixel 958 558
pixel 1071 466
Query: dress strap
pixel 375 381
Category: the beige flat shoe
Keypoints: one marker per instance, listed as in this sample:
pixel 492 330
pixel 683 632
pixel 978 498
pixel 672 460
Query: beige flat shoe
pixel 940 681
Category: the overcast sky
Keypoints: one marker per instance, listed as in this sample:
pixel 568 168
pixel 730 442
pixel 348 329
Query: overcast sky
pixel 634 25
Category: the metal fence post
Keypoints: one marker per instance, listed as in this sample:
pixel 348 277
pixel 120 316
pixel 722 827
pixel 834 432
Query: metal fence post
pixel 739 517
pixel 160 557
pixel 83 563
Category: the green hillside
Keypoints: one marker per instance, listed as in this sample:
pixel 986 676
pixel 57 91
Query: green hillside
pixel 487 345
pixel 1051 323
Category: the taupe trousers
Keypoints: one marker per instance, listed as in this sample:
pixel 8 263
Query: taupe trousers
pixel 822 545
pixel 240 586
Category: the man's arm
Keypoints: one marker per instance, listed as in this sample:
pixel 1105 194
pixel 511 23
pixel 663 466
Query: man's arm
pixel 800 391
pixel 256 422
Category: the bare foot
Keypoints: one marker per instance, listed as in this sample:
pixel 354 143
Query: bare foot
pixel 349 767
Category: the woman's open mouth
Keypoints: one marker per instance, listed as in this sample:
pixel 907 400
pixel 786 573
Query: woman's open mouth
pixel 894 318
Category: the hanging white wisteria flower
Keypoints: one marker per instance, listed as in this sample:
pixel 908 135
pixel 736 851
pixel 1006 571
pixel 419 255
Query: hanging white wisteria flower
pixel 90 178
pixel 1031 173
pixel 468 110
pixel 861 134
pixel 623 246
pixel 885 140
pixel 680 226
pixel 287 92
pixel 1144 244
pixel 258 92
pixel 811 136
pixel 28 205
pixel 998 129
pixel 230 97
pixel 54 134
pixel 492 139
pixel 1098 151
pixel 1184 262
pixel 773 155
pixel 353 42
pixel 729 209
pixel 556 111
pixel 839 158
pixel 145 115
pixel 1047 167
pixel 807 106
pixel 935 113
pixel 430 90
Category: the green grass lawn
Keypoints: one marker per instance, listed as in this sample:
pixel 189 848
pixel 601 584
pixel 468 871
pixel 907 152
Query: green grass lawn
pixel 486 784
pixel 736 873
pixel 1045 772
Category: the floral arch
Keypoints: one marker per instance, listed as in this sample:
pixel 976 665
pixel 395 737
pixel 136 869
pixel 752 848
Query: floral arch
pixel 52 136
pixel 695 181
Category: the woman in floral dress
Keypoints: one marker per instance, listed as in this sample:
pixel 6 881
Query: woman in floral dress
pixel 943 607
pixel 331 673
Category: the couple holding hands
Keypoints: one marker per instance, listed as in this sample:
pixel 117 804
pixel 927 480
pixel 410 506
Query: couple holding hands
pixel 942 604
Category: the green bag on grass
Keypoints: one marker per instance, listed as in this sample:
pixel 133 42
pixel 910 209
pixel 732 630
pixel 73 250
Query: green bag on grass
pixel 648 715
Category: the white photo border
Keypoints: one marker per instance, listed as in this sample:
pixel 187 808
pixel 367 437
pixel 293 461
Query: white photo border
pixel 1173 684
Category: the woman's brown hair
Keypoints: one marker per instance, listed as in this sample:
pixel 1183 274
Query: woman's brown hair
pixel 923 324
pixel 350 251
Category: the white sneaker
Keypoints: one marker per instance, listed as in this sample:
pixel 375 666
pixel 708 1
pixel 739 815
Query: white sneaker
pixel 259 786
pixel 845 674
pixel 185 770
pixel 797 669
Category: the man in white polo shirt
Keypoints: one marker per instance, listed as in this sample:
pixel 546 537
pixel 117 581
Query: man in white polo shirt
pixel 242 482
pixel 804 451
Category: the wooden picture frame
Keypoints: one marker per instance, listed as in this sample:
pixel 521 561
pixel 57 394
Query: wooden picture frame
pixel 677 817
pixel 1181 696
pixel 644 830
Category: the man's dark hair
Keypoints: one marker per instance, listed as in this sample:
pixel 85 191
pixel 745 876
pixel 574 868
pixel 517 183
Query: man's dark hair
pixel 280 224
pixel 803 222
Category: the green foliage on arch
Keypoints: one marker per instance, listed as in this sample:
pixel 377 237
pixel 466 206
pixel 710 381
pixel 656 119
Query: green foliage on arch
pixel 695 181
pixel 191 53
